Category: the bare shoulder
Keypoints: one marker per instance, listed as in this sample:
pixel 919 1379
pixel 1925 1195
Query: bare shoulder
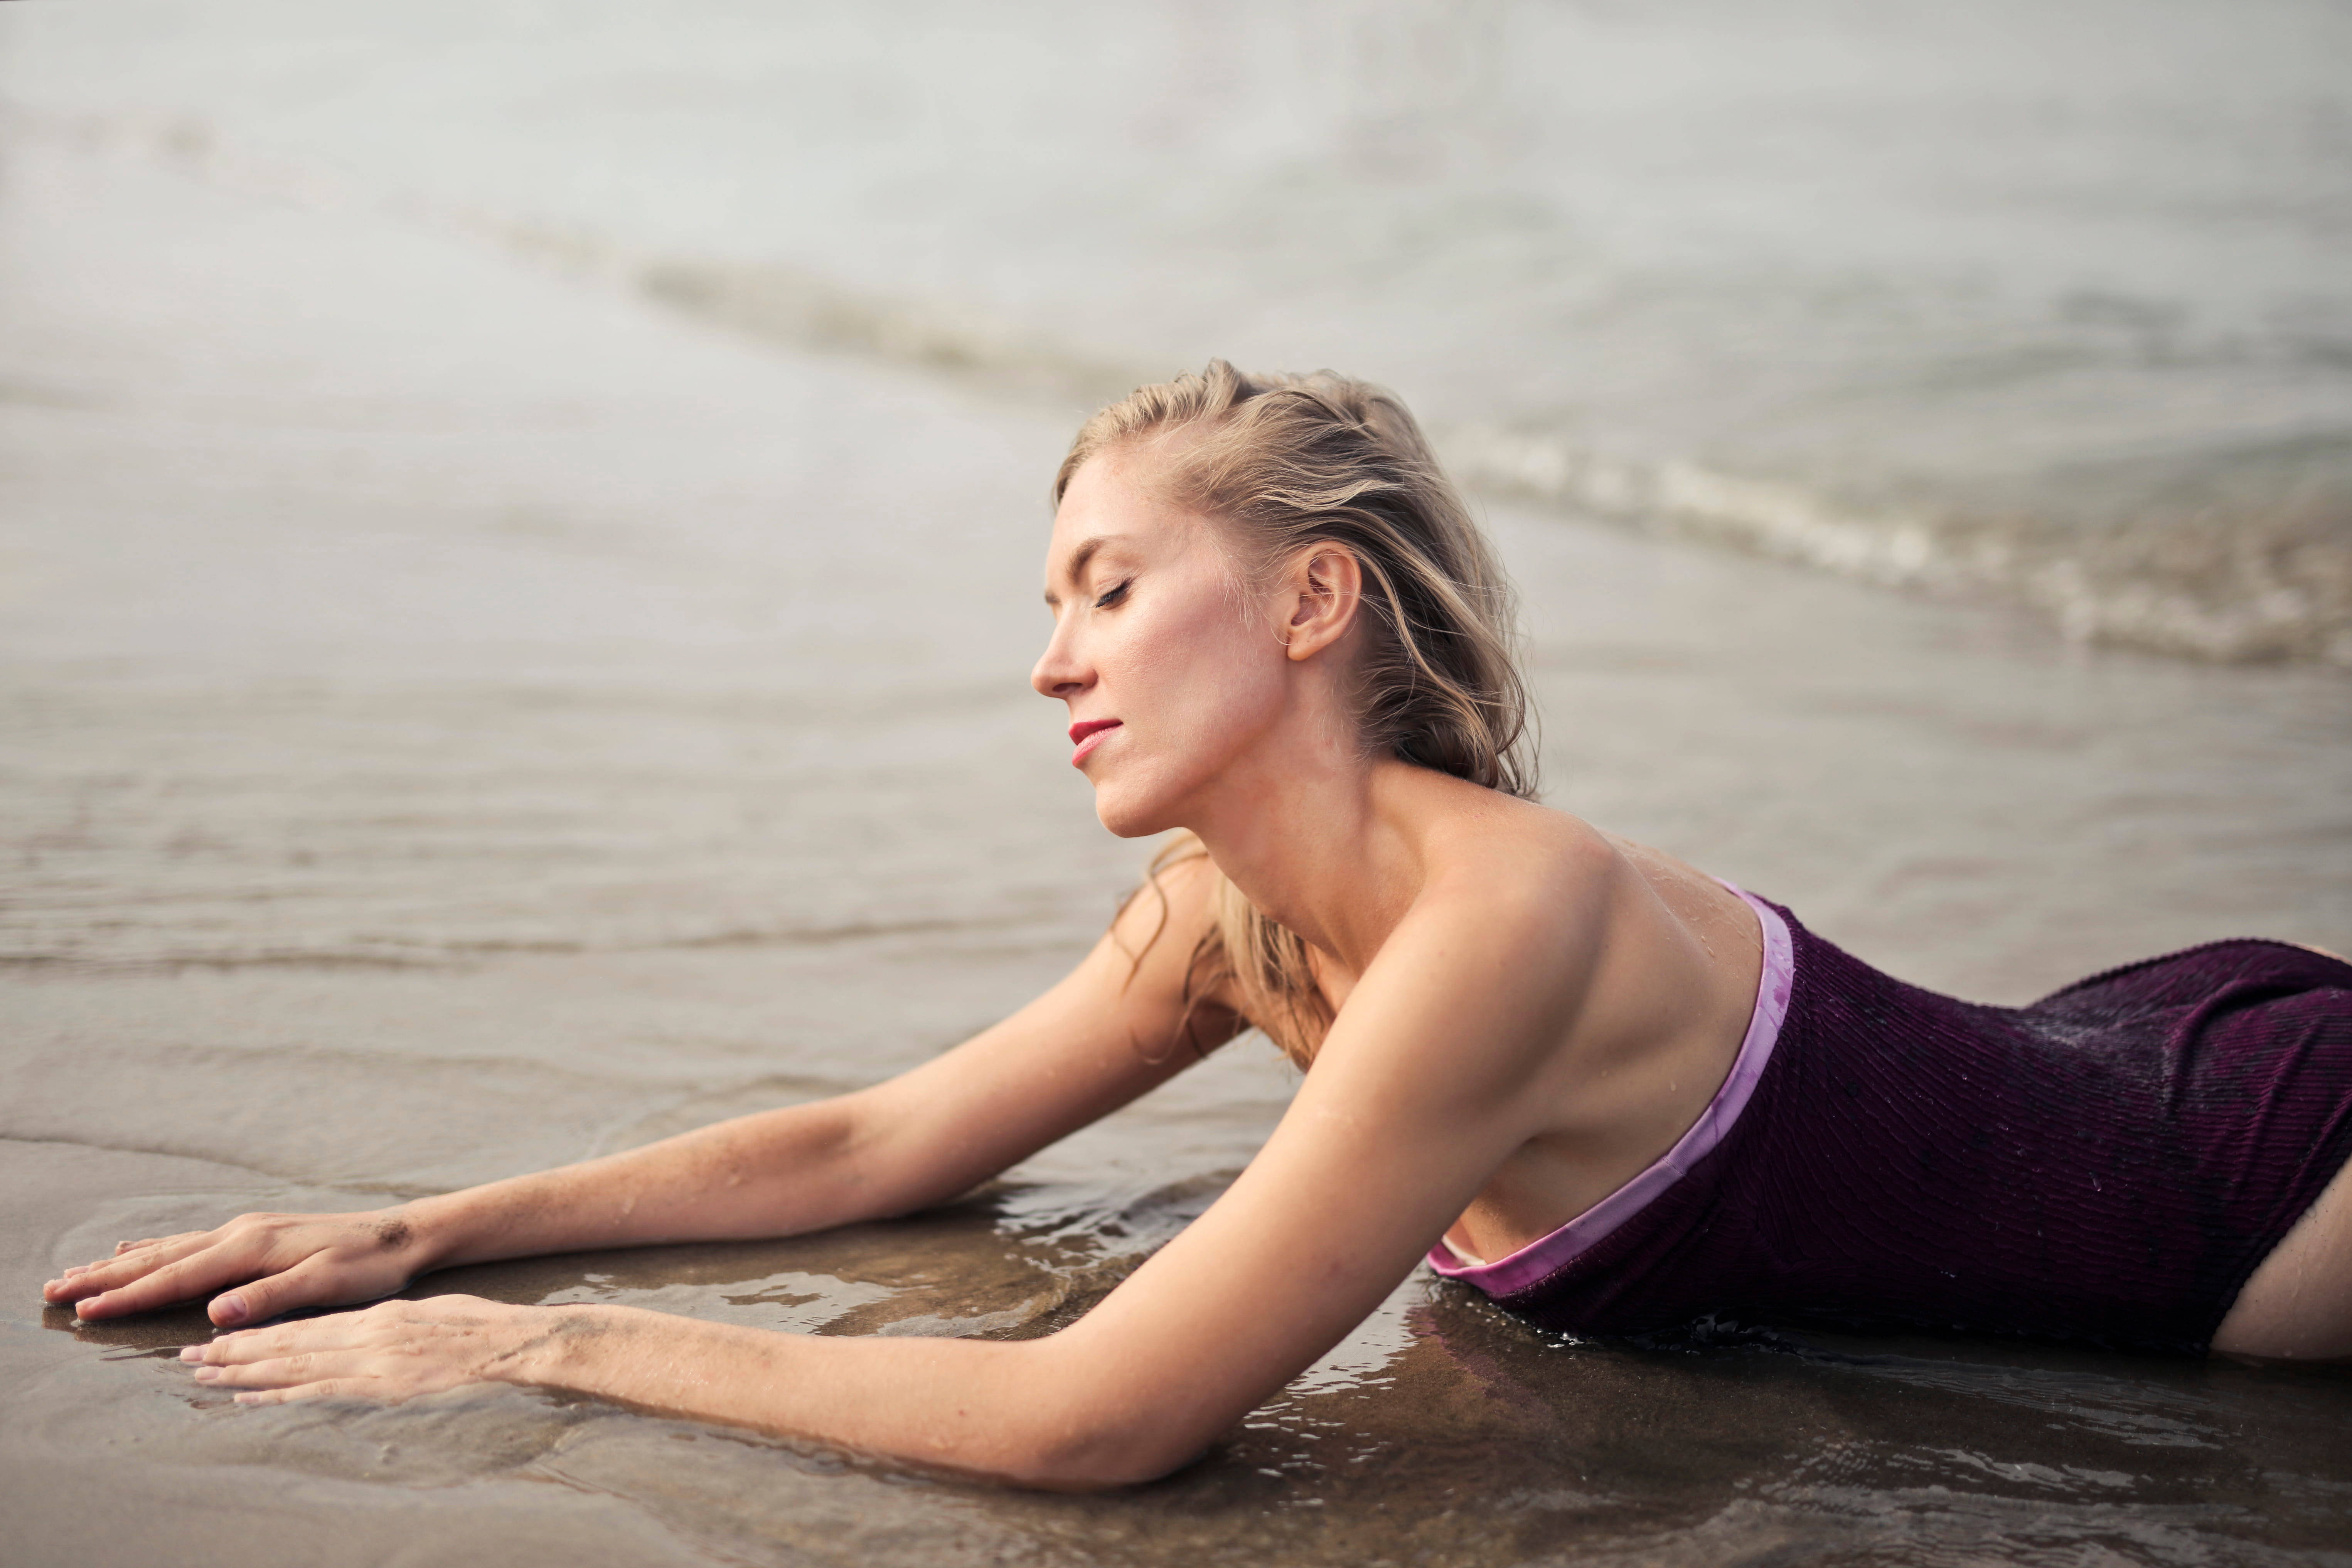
pixel 1705 910
pixel 1513 866
pixel 1517 900
pixel 1500 861
pixel 1640 948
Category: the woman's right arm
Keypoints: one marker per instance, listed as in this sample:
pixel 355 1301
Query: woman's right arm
pixel 1107 1032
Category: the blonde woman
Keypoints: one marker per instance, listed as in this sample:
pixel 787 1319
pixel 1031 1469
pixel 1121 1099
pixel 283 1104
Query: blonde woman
pixel 1608 1090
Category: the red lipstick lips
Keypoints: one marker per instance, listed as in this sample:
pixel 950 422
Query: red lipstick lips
pixel 1087 734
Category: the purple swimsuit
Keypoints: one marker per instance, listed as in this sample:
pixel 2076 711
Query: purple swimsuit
pixel 2107 1163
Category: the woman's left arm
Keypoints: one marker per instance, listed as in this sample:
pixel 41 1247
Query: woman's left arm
pixel 1425 1084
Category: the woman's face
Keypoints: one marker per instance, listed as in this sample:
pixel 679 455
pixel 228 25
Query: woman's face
pixel 1171 670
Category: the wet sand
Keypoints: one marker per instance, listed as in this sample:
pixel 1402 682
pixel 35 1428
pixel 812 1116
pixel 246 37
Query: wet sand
pixel 458 721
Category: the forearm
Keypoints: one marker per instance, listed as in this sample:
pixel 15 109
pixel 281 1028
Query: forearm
pixel 775 1173
pixel 1026 1412
pixel 1066 1059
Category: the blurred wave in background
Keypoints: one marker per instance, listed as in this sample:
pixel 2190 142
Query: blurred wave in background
pixel 2045 301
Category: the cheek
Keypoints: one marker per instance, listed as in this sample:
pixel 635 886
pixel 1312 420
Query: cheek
pixel 1205 680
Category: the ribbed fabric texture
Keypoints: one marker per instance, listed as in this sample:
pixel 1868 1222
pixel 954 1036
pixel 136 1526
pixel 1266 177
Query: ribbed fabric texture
pixel 2108 1164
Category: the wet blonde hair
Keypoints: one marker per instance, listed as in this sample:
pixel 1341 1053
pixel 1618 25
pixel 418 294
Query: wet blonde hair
pixel 1283 463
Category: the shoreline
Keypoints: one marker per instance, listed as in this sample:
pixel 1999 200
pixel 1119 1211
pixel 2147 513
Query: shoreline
pixel 2162 564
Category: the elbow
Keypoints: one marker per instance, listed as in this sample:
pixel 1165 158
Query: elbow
pixel 1099 1469
pixel 1058 1414
pixel 895 1164
pixel 1095 1452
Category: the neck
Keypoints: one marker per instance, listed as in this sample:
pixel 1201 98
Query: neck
pixel 1327 843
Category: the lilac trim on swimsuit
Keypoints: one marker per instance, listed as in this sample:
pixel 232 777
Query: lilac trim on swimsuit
pixel 1542 1256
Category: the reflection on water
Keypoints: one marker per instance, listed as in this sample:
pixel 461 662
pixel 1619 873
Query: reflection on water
pixel 1444 1431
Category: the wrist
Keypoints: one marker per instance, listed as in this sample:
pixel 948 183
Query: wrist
pixel 437 1233
pixel 556 1347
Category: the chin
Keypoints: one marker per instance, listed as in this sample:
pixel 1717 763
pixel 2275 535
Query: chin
pixel 1133 813
pixel 1132 823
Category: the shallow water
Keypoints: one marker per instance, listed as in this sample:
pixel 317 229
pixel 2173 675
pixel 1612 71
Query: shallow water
pixel 457 720
pixel 2042 302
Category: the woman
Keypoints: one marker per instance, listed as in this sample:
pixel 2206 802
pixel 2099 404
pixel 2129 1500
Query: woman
pixel 1613 1093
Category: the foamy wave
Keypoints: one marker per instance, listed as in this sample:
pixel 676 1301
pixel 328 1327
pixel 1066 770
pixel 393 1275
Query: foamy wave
pixel 2236 588
pixel 2232 585
pixel 2245 587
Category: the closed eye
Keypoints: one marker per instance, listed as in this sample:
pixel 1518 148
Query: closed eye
pixel 1115 595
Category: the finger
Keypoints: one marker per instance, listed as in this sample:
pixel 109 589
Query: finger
pixel 123 1247
pixel 281 1371
pixel 130 1254
pixel 86 1277
pixel 143 1283
pixel 309 1283
pixel 330 1388
pixel 258 1345
pixel 93 1279
pixel 340 1332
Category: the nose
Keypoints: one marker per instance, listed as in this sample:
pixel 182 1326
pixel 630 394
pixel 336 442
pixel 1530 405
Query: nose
pixel 1059 671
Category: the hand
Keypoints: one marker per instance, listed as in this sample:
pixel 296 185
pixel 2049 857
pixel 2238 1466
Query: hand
pixel 278 1261
pixel 391 1351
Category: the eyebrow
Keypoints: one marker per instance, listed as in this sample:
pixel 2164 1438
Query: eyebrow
pixel 1079 557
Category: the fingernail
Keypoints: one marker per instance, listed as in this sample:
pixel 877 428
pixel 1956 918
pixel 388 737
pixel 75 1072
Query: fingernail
pixel 229 1309
pixel 206 1374
pixel 191 1352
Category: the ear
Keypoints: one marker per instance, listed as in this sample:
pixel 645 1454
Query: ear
pixel 1322 592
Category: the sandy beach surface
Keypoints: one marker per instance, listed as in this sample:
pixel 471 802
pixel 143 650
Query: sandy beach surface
pixel 458 719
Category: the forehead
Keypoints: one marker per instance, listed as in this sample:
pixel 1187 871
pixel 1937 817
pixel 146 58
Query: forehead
pixel 1109 506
